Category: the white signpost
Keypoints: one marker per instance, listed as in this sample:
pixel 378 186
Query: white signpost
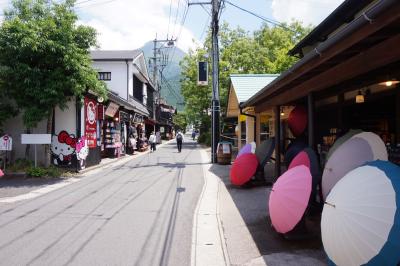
pixel 5 145
pixel 35 139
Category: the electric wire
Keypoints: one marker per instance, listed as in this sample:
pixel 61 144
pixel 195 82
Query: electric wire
pixel 169 17
pixel 276 23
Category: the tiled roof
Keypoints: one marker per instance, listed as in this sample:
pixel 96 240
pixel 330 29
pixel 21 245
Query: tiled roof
pixel 246 85
pixel 114 54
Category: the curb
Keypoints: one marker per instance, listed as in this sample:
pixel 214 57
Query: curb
pixel 208 242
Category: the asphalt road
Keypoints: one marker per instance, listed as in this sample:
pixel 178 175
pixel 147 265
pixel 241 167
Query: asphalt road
pixel 137 213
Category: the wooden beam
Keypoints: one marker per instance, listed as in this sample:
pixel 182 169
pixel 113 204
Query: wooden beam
pixel 397 118
pixel 380 55
pixel 277 128
pixel 341 46
pixel 310 105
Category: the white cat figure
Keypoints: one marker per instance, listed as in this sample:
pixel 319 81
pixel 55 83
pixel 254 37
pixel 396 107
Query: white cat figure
pixel 82 151
pixel 63 147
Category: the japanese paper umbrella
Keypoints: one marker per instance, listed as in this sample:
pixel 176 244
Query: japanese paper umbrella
pixel 378 147
pixel 245 149
pixel 1 173
pixel 308 158
pixel 341 140
pixel 265 150
pixel 243 168
pixel 350 155
pixel 289 198
pixel 297 120
pixel 361 218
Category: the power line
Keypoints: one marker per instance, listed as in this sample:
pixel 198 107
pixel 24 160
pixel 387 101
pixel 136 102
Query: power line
pixel 179 34
pixel 176 16
pixel 260 17
pixel 169 17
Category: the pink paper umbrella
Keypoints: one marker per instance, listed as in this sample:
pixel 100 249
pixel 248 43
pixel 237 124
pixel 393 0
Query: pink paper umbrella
pixel 289 198
pixel 1 173
pixel 243 168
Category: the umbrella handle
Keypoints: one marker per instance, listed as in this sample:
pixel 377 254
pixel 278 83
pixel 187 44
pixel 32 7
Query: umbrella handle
pixel 330 204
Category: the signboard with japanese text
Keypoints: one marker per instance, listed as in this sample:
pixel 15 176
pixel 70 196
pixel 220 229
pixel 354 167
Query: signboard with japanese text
pixel 5 143
pixel 112 108
pixel 91 122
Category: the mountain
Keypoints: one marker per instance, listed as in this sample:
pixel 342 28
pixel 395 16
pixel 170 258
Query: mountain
pixel 170 87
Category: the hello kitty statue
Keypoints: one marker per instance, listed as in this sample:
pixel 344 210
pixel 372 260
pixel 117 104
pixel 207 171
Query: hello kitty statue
pixel 62 148
pixel 82 151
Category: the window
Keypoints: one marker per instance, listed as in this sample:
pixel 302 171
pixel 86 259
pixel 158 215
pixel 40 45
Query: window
pixel 104 76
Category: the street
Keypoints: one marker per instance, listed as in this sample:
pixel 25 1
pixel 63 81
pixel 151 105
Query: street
pixel 136 213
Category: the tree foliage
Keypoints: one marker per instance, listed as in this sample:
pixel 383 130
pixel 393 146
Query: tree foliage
pixel 263 51
pixel 180 120
pixel 44 57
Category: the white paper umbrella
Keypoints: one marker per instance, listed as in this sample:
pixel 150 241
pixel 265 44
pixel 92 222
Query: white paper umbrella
pixel 378 147
pixel 360 221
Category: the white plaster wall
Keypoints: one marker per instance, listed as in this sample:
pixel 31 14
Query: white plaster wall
pixel 145 94
pixel 65 120
pixel 15 127
pixel 118 75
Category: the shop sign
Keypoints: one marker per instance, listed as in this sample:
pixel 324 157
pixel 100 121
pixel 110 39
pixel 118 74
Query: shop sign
pixel 138 118
pixel 100 112
pixel 162 130
pixel 5 143
pixel 124 116
pixel 91 122
pixel 112 109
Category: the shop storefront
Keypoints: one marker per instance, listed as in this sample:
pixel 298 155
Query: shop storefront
pixel 349 81
pixel 111 143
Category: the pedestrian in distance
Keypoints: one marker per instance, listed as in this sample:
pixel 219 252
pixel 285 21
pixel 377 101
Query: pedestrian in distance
pixel 193 135
pixel 152 140
pixel 179 140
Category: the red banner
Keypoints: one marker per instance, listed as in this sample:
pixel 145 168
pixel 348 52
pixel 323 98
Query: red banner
pixel 91 122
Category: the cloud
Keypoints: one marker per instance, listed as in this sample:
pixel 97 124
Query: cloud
pixel 127 24
pixel 307 11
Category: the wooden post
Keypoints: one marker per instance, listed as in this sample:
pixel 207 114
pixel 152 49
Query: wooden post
pixel 277 128
pixel 258 128
pixel 310 104
pixel 397 121
pixel 340 124
pixel 239 134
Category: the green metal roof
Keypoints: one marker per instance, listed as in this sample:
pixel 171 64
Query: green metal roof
pixel 246 85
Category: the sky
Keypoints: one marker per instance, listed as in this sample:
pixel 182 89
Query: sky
pixel 128 24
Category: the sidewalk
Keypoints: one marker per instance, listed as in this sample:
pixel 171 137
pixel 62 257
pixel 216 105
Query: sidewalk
pixel 247 233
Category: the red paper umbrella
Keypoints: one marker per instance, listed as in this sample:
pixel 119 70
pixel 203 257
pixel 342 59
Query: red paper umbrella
pixel 244 167
pixel 297 120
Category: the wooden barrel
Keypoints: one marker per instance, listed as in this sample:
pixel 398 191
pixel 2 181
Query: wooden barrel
pixel 224 152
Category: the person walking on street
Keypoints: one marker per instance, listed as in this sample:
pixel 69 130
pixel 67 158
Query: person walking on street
pixel 152 140
pixel 179 140
pixel 193 135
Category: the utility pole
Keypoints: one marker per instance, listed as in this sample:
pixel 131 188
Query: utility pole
pixel 215 107
pixel 156 59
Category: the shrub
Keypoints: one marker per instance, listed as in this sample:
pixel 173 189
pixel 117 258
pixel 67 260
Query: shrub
pixel 52 171
pixel 36 172
pixel 205 138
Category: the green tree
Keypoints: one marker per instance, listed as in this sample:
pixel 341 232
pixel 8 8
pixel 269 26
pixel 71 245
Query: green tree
pixel 264 51
pixel 44 58
pixel 180 121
